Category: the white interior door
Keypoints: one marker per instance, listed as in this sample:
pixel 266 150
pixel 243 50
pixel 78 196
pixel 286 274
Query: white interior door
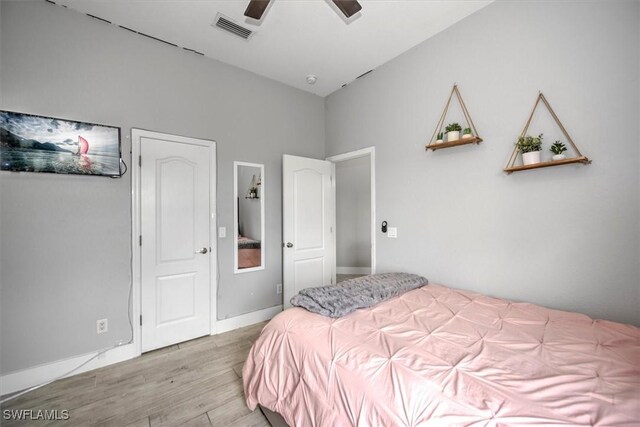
pixel 175 237
pixel 308 224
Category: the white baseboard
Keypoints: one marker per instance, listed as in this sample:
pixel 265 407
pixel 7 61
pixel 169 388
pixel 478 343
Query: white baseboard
pixel 243 320
pixel 353 270
pixel 21 380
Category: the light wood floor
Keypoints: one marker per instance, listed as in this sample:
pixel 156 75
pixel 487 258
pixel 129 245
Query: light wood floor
pixel 196 383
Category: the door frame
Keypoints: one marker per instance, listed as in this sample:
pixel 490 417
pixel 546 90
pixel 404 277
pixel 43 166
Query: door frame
pixel 136 250
pixel 363 152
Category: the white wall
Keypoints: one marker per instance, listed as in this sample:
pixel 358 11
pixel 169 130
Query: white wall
pixel 61 63
pixel 565 237
pixel 353 213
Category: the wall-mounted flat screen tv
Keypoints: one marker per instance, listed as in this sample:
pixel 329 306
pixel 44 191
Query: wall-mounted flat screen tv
pixel 30 143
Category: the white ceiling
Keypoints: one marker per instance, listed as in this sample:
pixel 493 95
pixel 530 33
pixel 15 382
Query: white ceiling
pixel 295 37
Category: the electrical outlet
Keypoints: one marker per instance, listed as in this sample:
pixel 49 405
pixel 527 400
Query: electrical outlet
pixel 392 232
pixel 102 326
pixel 279 288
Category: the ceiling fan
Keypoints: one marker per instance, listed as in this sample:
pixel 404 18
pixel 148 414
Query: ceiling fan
pixel 257 7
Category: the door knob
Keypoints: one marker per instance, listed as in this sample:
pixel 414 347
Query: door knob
pixel 289 244
pixel 202 251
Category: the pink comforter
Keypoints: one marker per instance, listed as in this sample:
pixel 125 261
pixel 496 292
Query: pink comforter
pixel 445 357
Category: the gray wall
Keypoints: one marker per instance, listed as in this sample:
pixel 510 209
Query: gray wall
pixel 249 209
pixel 565 237
pixel 353 213
pixel 60 63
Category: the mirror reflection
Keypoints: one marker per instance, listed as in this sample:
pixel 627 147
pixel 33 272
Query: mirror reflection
pixel 249 217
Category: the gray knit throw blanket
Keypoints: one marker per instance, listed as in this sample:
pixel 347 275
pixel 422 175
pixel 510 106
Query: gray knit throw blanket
pixel 362 292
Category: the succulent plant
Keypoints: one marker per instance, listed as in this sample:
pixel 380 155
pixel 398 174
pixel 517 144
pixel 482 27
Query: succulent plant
pixel 440 135
pixel 558 148
pixel 466 131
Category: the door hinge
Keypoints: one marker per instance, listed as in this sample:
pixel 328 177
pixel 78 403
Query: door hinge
pixel 140 161
pixel 141 320
pixel 140 240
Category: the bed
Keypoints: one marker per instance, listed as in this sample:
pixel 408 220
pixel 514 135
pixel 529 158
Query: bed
pixel 249 252
pixel 446 357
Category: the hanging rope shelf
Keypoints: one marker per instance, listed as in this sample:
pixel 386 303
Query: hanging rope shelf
pixel 580 158
pixel 472 138
pixel 252 192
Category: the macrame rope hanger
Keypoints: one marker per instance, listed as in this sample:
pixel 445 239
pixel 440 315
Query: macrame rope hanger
pixel 467 117
pixel 541 97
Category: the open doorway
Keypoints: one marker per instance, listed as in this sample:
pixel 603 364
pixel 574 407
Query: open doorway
pixel 355 213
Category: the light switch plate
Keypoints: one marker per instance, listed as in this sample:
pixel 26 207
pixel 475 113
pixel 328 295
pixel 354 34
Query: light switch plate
pixel 222 232
pixel 392 232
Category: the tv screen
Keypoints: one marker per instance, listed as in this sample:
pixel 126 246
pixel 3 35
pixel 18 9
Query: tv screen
pixel 30 143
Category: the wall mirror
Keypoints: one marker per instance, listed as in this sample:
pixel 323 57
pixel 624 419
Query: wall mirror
pixel 248 190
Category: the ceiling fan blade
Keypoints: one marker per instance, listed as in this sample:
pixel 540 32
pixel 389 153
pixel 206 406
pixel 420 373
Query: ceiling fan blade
pixel 348 7
pixel 256 8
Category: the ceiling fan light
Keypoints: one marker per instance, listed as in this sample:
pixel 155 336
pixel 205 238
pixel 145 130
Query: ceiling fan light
pixel 348 7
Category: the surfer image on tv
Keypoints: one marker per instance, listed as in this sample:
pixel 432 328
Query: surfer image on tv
pixel 83 149
pixel 83 146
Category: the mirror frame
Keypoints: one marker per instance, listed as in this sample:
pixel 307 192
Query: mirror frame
pixel 236 166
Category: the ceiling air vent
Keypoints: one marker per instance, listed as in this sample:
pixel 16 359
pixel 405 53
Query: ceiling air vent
pixel 229 25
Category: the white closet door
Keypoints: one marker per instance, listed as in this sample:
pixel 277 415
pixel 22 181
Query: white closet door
pixel 175 269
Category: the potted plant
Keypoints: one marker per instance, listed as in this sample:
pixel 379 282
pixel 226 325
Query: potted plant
pixel 530 147
pixel 558 148
pixel 453 132
pixel 440 138
pixel 466 133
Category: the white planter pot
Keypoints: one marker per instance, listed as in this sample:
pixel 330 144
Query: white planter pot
pixel 467 136
pixel 454 135
pixel 439 141
pixel 559 157
pixel 531 158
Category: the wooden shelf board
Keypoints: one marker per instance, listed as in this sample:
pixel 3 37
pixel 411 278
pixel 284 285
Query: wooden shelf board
pixel 463 141
pixel 581 159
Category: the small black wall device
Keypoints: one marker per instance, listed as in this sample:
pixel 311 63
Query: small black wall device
pixel 384 226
